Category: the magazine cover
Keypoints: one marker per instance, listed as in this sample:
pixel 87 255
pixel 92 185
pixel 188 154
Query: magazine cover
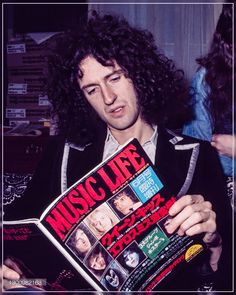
pixel 110 227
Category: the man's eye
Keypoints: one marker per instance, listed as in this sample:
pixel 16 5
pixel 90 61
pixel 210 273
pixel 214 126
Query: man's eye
pixel 91 91
pixel 115 78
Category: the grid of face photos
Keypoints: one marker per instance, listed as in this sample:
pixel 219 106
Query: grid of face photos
pixel 85 245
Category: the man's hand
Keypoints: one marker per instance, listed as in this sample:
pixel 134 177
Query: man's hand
pixel 8 275
pixel 11 277
pixel 224 144
pixel 192 215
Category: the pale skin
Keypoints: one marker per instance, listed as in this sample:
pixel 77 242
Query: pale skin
pixel 113 96
pixel 224 144
pixel 82 242
pixel 10 274
pixel 97 262
pixel 100 221
pixel 125 204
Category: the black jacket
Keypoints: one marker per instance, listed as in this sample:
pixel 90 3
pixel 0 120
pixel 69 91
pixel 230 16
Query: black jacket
pixel 186 165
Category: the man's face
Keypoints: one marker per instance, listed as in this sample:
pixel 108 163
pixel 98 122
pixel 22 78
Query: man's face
pixel 101 221
pixel 132 259
pixel 82 241
pixel 110 93
pixel 97 262
pixel 123 203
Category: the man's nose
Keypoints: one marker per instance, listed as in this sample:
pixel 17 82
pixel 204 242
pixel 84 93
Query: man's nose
pixel 109 95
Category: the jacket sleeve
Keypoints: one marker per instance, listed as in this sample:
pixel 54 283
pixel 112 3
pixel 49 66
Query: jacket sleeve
pixel 212 182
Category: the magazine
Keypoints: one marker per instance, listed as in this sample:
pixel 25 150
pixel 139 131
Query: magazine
pixel 110 227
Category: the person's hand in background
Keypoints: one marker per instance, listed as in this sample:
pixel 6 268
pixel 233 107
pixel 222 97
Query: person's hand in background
pixel 224 144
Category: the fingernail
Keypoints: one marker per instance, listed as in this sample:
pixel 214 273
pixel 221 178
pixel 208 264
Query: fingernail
pixel 180 232
pixel 169 228
pixel 170 211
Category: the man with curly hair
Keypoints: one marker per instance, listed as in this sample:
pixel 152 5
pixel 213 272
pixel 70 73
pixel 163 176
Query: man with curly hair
pixel 108 83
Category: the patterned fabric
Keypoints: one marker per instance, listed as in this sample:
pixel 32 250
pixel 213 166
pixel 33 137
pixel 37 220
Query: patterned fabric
pixel 14 186
pixel 231 191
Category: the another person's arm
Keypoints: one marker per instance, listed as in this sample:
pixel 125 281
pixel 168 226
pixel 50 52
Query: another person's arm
pixel 224 144
pixel 200 126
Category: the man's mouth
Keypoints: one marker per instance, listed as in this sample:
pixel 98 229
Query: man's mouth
pixel 115 109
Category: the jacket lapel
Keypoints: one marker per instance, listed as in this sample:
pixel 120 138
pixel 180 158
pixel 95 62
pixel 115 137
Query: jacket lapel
pixel 78 161
pixel 175 161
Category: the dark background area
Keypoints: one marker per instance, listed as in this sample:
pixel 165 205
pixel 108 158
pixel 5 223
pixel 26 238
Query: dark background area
pixel 24 18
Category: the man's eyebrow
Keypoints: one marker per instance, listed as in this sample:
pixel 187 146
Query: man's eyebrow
pixel 88 85
pixel 118 71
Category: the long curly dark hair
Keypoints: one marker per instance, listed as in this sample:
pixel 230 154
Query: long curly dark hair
pixel 219 71
pixel 161 89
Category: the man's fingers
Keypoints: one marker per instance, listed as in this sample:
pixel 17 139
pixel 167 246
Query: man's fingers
pixel 9 262
pixel 215 257
pixel 9 273
pixel 10 278
pixel 211 237
pixel 189 216
pixel 192 215
pixel 214 242
pixel 199 222
pixel 208 225
pixel 184 201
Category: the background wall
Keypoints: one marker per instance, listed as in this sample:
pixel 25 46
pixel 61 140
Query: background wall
pixel 182 31
pixel 27 43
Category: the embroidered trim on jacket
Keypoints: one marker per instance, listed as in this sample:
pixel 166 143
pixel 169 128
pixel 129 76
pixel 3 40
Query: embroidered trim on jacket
pixel 191 168
pixel 64 167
